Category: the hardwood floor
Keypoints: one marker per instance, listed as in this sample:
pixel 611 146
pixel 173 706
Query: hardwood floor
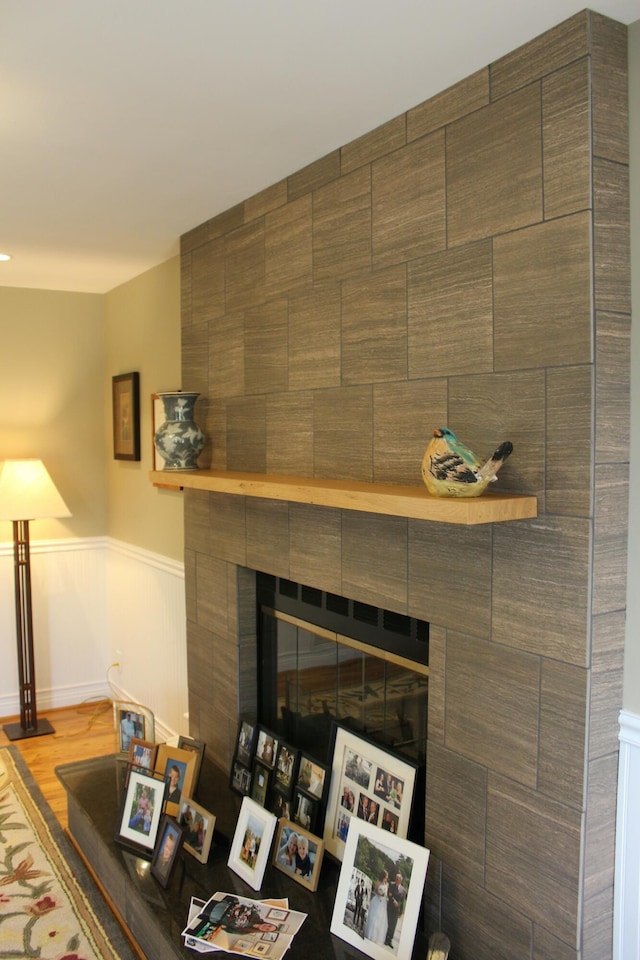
pixel 80 733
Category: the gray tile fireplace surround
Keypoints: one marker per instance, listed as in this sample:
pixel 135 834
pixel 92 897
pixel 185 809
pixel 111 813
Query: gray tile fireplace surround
pixel 154 916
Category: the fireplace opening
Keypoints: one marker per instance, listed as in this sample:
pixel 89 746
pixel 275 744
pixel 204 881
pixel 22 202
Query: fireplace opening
pixel 323 658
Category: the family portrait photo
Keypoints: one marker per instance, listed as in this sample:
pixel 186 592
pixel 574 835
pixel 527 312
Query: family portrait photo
pixel 251 844
pixel 298 854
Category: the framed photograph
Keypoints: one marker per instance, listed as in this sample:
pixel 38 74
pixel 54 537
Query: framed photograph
pixel 241 778
pixel 198 747
pixel 305 810
pixel 285 768
pixel 245 744
pixel 298 853
pixel 126 416
pixel 266 747
pixel 279 805
pixel 165 855
pixel 312 776
pixel 178 768
pixel 141 812
pixel 142 754
pixel 198 825
pixel 252 842
pixel 367 782
pixel 260 777
pixel 131 720
pixel 379 892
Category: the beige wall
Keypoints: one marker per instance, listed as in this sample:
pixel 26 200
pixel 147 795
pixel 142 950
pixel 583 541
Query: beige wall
pixel 632 645
pixel 143 334
pixel 51 376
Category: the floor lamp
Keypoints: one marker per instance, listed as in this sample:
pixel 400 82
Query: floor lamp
pixel 27 492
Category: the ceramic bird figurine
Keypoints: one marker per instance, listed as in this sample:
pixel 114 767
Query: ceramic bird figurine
pixel 450 469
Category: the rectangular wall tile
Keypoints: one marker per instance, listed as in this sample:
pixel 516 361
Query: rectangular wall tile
pixel 288 247
pixel 314 176
pixel 264 202
pixel 207 277
pixel 316 546
pixel 610 88
pixel 244 266
pixel 613 387
pixel 437 668
pixel 569 459
pixel 542 289
pixel 343 433
pixel 374 560
pixel 610 538
pixel 211 593
pixel 290 433
pixel 314 338
pixel 408 190
pixel 227 538
pixel 501 143
pixel 266 348
pixel 607 673
pixel 464 97
pixel 566 139
pixel 374 327
pixel 563 708
pixel 373 145
pixel 533 856
pixel 492 706
pixel 246 434
pixel 451 312
pixel 611 236
pixel 268 536
pixel 226 356
pixel 342 227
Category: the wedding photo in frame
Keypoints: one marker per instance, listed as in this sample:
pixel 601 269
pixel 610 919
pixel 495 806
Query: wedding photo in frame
pixel 379 893
pixel 167 849
pixel 369 784
pixel 198 825
pixel 178 767
pixel 131 720
pixel 298 853
pixel 141 812
pixel 251 844
pixel 126 416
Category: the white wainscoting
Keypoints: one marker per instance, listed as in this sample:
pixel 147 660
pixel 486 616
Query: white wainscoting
pixel 91 598
pixel 626 934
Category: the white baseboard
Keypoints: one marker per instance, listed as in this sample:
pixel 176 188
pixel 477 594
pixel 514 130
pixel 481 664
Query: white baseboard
pixel 626 928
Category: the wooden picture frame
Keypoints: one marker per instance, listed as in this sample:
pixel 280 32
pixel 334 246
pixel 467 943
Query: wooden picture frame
pixel 198 825
pixel 131 720
pixel 197 747
pixel 167 850
pixel 126 416
pixel 252 842
pixel 356 768
pixel 178 767
pixel 368 855
pixel 142 754
pixel 140 812
pixel 287 856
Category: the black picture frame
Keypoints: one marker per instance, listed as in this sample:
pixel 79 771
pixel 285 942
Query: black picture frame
pixel 126 416
pixel 260 783
pixel 286 768
pixel 167 850
pixel 141 811
pixel 240 778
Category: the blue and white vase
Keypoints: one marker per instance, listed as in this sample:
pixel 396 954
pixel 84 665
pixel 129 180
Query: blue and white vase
pixel 179 440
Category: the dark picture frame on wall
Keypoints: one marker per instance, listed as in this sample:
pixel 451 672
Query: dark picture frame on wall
pixel 126 416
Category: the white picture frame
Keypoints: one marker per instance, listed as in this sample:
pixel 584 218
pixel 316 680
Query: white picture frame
pixel 355 770
pixel 366 846
pixel 251 844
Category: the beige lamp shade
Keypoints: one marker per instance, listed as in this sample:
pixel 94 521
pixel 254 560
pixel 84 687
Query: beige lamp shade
pixel 27 492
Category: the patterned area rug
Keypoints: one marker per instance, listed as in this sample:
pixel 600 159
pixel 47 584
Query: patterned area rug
pixel 50 908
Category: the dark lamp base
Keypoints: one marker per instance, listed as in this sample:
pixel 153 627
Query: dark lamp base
pixel 15 731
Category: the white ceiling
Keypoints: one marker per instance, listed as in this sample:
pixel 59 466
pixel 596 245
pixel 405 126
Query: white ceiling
pixel 124 123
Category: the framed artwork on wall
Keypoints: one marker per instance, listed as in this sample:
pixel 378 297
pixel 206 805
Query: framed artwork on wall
pixel 126 416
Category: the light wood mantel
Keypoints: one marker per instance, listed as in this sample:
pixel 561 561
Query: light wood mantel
pixel 383 498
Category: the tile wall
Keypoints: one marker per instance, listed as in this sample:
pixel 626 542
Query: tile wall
pixel 466 264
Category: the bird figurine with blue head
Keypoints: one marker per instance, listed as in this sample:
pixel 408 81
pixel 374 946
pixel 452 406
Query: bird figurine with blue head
pixel 451 469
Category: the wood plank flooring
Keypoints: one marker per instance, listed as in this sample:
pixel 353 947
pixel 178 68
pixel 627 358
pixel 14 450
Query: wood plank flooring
pixel 80 733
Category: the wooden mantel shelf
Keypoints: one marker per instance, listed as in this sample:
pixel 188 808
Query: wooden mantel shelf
pixel 382 498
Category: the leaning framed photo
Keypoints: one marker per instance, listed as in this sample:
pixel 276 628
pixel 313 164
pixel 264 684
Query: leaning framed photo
pixel 298 853
pixel 252 842
pixel 126 416
pixel 178 768
pixel 197 747
pixel 168 846
pixel 140 812
pixel 198 825
pixel 367 783
pixel 131 720
pixel 142 754
pixel 379 893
